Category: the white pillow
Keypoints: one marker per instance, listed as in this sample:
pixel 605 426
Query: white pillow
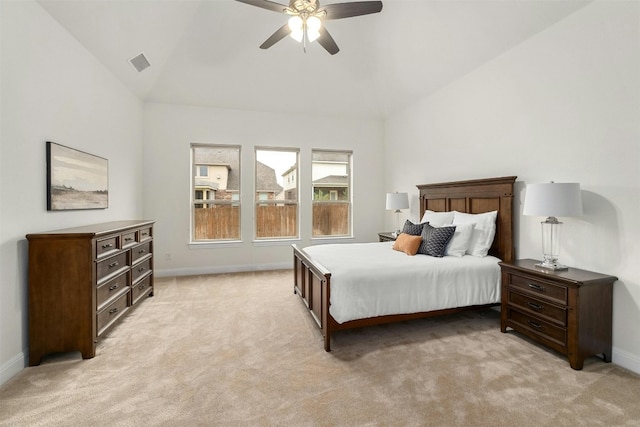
pixel 460 240
pixel 483 233
pixel 437 219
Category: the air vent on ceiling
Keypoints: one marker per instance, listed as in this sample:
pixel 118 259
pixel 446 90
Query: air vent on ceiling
pixel 140 62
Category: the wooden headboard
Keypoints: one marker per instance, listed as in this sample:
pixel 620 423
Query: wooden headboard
pixel 477 196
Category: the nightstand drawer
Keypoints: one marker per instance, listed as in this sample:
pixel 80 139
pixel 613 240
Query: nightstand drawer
pixel 539 307
pixel 539 327
pixel 542 289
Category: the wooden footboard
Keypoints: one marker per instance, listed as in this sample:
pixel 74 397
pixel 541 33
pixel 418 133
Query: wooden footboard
pixel 312 282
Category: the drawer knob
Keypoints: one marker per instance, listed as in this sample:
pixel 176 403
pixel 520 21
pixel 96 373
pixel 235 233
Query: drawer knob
pixel 107 246
pixel 113 264
pixel 536 287
pixel 113 287
pixel 141 269
pixel 538 326
pixel 113 310
pixel 128 239
pixel 534 306
pixel 141 251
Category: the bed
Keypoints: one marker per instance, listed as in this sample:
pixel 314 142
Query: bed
pixel 326 293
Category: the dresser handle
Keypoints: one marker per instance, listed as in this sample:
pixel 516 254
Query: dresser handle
pixel 128 239
pixel 113 264
pixel 108 245
pixel 113 288
pixel 536 287
pixel 535 325
pixel 534 306
pixel 141 287
pixel 141 251
pixel 141 269
pixel 113 310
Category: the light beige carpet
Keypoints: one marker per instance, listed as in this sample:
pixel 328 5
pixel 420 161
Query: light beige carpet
pixel 242 350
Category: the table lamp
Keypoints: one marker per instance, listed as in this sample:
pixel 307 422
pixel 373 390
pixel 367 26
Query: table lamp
pixel 552 200
pixel 397 201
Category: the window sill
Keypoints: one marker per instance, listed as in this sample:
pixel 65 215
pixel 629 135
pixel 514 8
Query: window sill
pixel 319 240
pixel 275 242
pixel 213 245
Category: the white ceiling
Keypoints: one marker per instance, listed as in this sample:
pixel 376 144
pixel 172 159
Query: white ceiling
pixel 205 52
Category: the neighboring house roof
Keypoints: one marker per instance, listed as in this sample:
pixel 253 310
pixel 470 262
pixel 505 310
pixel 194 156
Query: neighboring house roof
pixel 220 157
pixel 292 168
pixel 332 181
pixel 205 183
pixel 266 179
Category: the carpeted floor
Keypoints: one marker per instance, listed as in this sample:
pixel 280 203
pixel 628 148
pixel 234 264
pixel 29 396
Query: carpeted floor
pixel 242 350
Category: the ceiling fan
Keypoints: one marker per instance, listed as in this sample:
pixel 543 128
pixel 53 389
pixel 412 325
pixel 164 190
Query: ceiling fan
pixel 305 23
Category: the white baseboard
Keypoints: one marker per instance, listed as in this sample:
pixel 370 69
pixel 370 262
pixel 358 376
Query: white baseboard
pixel 195 271
pixel 626 360
pixel 13 367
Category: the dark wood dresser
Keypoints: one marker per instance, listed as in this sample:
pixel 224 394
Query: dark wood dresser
pixel 82 281
pixel 569 311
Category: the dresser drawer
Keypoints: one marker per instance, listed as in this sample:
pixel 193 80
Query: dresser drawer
pixel 140 270
pixel 540 288
pixel 540 327
pixel 141 290
pixel 140 252
pixel 111 289
pixel 144 234
pixel 112 312
pixel 538 306
pixel 128 239
pixel 111 266
pixel 107 246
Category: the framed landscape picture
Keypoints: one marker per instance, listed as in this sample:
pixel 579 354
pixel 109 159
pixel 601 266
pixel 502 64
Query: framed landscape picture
pixel 75 179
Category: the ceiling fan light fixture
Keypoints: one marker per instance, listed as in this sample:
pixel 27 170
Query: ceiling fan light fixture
pixel 297 35
pixel 314 23
pixel 295 23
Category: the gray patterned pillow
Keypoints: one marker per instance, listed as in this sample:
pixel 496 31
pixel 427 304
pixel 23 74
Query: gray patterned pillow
pixel 434 240
pixel 413 229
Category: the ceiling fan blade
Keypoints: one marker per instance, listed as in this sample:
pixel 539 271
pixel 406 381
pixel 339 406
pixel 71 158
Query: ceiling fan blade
pixel 282 32
pixel 327 42
pixel 265 4
pixel 347 10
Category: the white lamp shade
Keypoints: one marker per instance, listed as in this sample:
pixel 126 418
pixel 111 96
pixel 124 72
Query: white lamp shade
pixel 397 201
pixel 553 199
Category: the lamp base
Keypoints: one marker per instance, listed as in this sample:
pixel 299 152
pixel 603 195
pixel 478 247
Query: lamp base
pixel 552 266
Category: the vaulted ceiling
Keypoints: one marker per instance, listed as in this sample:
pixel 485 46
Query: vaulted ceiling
pixel 205 52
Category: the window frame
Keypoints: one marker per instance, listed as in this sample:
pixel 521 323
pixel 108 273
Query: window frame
pixel 348 201
pixel 236 195
pixel 296 201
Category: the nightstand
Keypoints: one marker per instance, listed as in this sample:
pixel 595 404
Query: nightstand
pixel 569 311
pixel 387 236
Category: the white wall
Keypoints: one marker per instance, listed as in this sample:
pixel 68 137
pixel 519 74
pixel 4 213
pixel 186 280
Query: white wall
pixel 169 131
pixel 53 89
pixel 562 106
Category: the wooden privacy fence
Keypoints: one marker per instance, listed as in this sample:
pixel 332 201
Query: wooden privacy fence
pixel 222 221
pixel 330 219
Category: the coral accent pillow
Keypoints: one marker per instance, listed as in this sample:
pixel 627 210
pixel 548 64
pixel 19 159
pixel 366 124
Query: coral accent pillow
pixel 407 243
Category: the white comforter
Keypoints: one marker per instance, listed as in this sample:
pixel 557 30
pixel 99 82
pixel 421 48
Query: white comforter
pixel 371 279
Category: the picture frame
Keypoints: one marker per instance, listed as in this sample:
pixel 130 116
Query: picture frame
pixel 76 180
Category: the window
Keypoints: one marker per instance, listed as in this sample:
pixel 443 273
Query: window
pixel 216 192
pixel 276 193
pixel 331 181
